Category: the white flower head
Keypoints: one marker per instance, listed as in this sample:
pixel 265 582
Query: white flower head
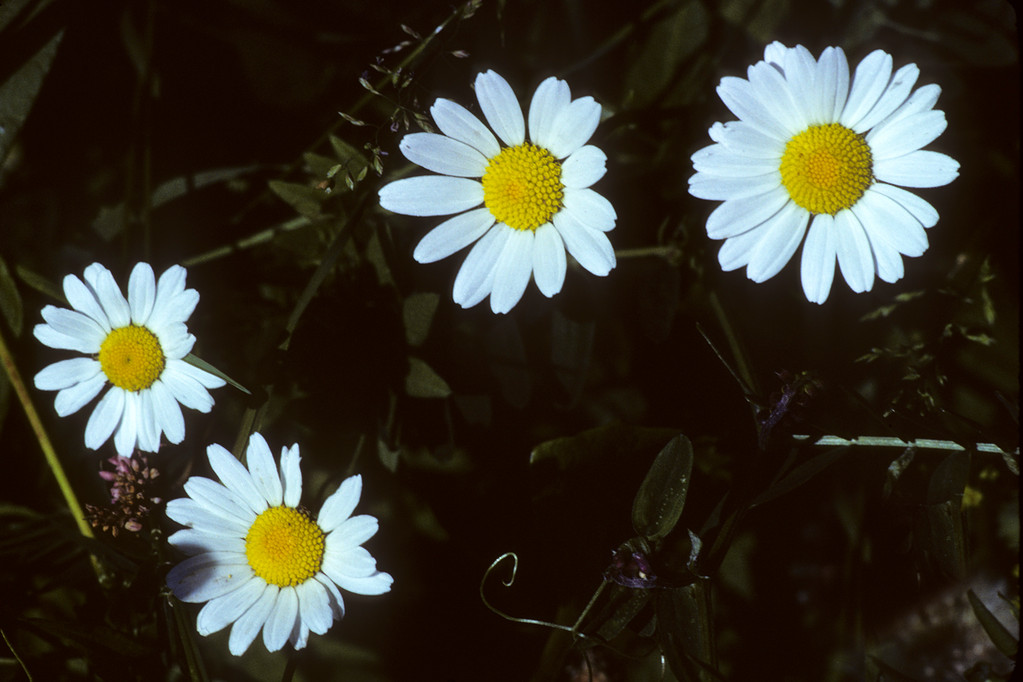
pixel 522 202
pixel 259 560
pixel 817 155
pixel 136 346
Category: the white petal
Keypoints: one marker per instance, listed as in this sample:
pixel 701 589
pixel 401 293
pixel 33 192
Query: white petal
pixel 549 261
pixel 782 235
pixel 339 506
pixel 475 279
pixel 356 562
pixel 188 512
pixel 457 122
pixel 817 268
pixel 314 606
pixel 737 251
pixel 832 85
pixel 352 532
pixel 147 430
pixel 74 398
pixel 871 79
pixel 894 96
pixel 920 101
pixel 281 620
pixel 220 612
pixel 551 96
pixel 141 293
pixel 583 167
pixel 291 475
pixel 899 227
pixel 772 92
pixel 887 260
pixel 454 234
pixel 264 470
pixel 173 302
pixel 195 541
pixel 236 478
pixel 66 373
pixel 574 125
pixel 220 500
pixel 185 389
pixel 721 161
pixel 69 330
pixel 83 299
pixel 109 295
pixel 855 259
pixel 104 418
pixel 739 215
pixel 168 413
pixel 589 247
pixel 738 96
pixel 739 137
pixel 918 169
pixel 906 135
pixel 715 188
pixel 590 209
pixel 429 195
pixel 514 267
pixel 442 154
pixel 497 100
pixel 917 207
pixel 374 584
pixel 208 576
pixel 247 626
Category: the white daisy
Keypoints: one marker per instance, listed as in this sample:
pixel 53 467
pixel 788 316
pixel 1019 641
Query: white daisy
pixel 136 346
pixel 523 204
pixel 807 145
pixel 262 562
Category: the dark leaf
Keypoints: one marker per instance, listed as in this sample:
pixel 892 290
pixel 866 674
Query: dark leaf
pixel 662 495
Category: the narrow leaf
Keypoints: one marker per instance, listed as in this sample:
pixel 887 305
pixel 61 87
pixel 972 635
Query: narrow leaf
pixel 662 495
pixel 998 633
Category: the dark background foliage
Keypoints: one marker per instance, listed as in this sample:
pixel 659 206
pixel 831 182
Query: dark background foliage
pixel 197 133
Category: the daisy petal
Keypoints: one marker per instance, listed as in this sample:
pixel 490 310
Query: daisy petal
pixel 590 209
pixel 281 620
pixel 105 418
pixel 513 270
pixel 497 100
pixel 109 295
pixel 894 96
pixel 442 154
pixel 83 299
pixel 782 235
pixel 74 398
pixel 590 247
pixel 475 279
pixel 817 268
pixel 339 506
pixel 453 235
pixel 855 258
pixel 550 98
pixel 583 167
pixel 549 261
pixel 429 195
pixel 245 629
pixel 458 123
pixel 314 606
pixel 917 207
pixel 67 373
pixel 141 293
pixel 573 126
pixel 220 612
pixel 869 82
pixel 739 215
pixel 906 135
pixel 918 169
pixel 263 470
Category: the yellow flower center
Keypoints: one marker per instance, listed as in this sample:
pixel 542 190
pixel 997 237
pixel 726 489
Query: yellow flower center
pixel 131 357
pixel 826 168
pixel 285 546
pixel 522 186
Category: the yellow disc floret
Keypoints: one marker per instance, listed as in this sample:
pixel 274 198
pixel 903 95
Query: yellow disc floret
pixel 284 546
pixel 826 168
pixel 131 357
pixel 522 186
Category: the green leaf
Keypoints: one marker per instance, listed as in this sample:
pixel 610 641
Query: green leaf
pixel 615 445
pixel 896 469
pixel 10 300
pixel 304 199
pixel 662 495
pixel 417 312
pixel 669 43
pixel 998 633
pixel 196 361
pixel 949 478
pixel 422 382
pixel 685 633
pixel 18 92
pixel 388 457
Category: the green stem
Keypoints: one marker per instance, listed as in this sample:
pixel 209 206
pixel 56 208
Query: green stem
pixel 666 252
pixel 44 441
pixel 891 442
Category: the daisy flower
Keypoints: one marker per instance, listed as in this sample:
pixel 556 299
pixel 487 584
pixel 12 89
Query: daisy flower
pixel 136 346
pixel 259 560
pixel 522 202
pixel 814 155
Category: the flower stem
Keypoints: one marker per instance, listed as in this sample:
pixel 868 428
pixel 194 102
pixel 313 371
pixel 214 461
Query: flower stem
pixel 44 441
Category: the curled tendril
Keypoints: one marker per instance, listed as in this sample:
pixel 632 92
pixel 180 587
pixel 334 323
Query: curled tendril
pixel 508 583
